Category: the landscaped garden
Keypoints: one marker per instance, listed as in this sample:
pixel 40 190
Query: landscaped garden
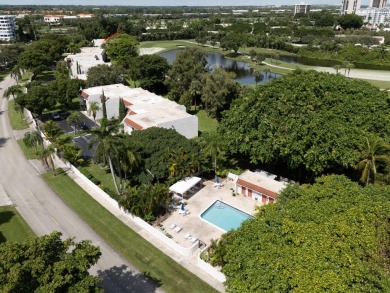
pixel 147 258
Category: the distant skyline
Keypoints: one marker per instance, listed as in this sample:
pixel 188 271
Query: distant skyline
pixel 169 2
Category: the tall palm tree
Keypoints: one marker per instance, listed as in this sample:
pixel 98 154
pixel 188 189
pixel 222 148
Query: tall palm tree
pixel 107 140
pixel 128 161
pixel 75 119
pixel 337 68
pixel 214 147
pixel 52 131
pixel 377 151
pixel 15 74
pixel 94 107
pixel 195 90
pixel 13 90
pixel 47 156
pixel 33 139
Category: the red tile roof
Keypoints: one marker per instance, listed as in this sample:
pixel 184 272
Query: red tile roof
pixel 85 95
pixel 257 188
pixel 133 124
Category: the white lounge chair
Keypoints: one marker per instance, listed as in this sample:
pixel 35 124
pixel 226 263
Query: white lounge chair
pixel 194 239
pixel 172 226
pixel 187 236
pixel 178 229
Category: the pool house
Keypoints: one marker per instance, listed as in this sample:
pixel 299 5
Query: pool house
pixel 260 186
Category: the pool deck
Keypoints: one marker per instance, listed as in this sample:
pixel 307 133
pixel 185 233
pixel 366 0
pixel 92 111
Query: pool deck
pixel 197 204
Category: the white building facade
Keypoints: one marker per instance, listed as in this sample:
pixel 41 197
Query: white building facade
pixel 378 3
pixel 144 109
pixel 350 6
pixel 7 28
pixel 302 8
pixel 375 16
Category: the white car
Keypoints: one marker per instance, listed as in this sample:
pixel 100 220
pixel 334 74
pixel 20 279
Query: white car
pixel 55 116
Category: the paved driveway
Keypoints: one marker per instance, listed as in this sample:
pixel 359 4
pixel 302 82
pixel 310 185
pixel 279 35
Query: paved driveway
pixel 82 142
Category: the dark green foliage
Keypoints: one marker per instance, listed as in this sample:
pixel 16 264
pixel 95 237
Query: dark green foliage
pixel 121 48
pixel 309 120
pixel 48 264
pixel 149 71
pixel 350 21
pixel 89 176
pixel 39 98
pixel 232 41
pixel 103 75
pixel 323 18
pixel 188 66
pixel 39 55
pixel 168 156
pixel 333 236
pixel 122 110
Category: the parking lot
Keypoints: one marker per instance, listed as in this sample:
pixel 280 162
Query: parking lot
pixel 82 140
pixel 83 143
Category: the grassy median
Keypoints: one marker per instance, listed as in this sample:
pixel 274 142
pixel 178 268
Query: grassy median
pixel 12 226
pixel 148 259
pixel 17 119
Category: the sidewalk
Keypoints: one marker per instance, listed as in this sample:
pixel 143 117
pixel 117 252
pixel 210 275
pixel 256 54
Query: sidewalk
pixel 190 263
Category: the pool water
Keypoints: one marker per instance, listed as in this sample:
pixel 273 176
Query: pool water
pixel 224 216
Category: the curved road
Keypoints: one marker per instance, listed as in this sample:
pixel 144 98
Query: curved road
pixel 45 212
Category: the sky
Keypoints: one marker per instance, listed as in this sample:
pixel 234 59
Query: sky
pixel 168 2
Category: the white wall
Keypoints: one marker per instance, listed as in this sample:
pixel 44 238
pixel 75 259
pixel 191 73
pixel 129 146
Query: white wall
pixel 187 127
pixel 112 106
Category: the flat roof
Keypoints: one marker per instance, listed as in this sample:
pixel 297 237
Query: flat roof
pixel 260 180
pixel 184 185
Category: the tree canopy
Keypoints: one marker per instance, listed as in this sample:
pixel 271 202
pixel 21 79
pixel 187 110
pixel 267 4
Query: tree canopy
pixel 349 21
pixel 168 156
pixel 149 71
pixel 103 74
pixel 121 47
pixel 310 120
pixel 188 66
pixel 48 264
pixel 330 236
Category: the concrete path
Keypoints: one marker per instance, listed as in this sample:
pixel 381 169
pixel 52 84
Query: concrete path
pixel 45 212
pixel 4 199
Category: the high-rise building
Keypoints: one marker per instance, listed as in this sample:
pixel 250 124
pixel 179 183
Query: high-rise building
pixel 378 3
pixel 7 28
pixel 350 6
pixel 302 8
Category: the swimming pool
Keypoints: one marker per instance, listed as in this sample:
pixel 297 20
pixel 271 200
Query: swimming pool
pixel 224 216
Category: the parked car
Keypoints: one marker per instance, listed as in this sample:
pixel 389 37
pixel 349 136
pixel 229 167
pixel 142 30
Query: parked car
pixel 83 126
pixel 55 116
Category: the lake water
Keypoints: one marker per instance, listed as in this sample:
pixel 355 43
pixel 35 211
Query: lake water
pixel 244 74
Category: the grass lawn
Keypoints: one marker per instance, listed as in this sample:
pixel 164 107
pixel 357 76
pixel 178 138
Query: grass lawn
pixel 29 152
pixel 147 258
pixel 17 120
pixel 26 76
pixel 382 84
pixel 206 124
pixel 12 226
pixel 101 173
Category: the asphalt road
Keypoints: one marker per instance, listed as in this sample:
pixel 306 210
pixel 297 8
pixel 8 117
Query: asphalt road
pixel 45 212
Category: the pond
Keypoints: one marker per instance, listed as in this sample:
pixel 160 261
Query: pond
pixel 244 74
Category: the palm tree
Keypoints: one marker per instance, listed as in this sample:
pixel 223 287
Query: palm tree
pixel 13 90
pixel 377 151
pixel 52 131
pixel 337 68
pixel 75 119
pixel 213 147
pixel 94 107
pixel 15 74
pixel 48 153
pixel 33 139
pixel 107 142
pixel 128 159
pixel 195 90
